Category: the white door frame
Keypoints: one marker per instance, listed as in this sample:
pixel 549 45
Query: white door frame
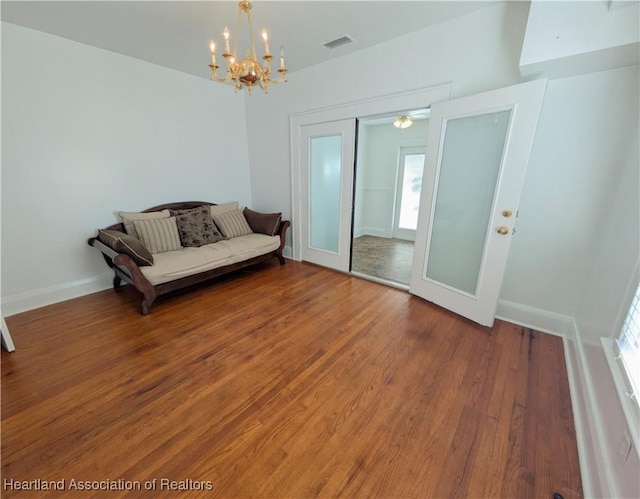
pixel 406 101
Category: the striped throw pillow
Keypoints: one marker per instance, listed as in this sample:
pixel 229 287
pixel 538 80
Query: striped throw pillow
pixel 232 224
pixel 128 217
pixel 158 235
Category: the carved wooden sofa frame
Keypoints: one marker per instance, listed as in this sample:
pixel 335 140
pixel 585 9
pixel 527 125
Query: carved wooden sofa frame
pixel 127 270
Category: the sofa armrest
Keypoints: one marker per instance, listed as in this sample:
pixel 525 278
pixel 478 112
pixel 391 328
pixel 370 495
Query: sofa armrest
pixel 127 270
pixel 282 232
pixel 107 253
pixel 282 229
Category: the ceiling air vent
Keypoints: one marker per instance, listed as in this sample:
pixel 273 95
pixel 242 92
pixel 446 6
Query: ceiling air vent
pixel 343 40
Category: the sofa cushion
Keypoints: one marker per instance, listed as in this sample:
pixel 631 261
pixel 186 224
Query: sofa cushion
pixel 129 245
pixel 217 209
pixel 263 223
pixel 196 227
pixel 174 265
pixel 245 247
pixel 232 224
pixel 158 235
pixel 128 217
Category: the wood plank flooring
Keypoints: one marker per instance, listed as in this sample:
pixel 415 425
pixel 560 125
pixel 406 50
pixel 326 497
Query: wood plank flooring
pixel 383 257
pixel 291 381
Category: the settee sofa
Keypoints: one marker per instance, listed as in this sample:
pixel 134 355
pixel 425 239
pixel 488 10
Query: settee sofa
pixel 172 246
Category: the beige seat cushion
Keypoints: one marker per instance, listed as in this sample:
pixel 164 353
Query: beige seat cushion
pixel 245 247
pixel 188 261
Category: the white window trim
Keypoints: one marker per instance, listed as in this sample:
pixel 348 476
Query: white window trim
pixel 630 406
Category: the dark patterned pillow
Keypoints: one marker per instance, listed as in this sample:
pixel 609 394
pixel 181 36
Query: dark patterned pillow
pixel 196 226
pixel 129 245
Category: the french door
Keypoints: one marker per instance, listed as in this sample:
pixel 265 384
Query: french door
pixel 326 180
pixel 477 153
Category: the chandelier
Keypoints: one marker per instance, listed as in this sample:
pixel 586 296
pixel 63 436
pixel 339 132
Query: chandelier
pixel 247 72
pixel 403 122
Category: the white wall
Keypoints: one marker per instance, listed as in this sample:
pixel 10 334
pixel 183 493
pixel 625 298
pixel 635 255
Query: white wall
pixel 437 55
pixel 85 133
pixel 377 171
pixel 585 134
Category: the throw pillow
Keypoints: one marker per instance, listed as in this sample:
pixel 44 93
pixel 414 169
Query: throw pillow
pixel 263 223
pixel 196 227
pixel 219 209
pixel 128 218
pixel 159 235
pixel 232 224
pixel 129 245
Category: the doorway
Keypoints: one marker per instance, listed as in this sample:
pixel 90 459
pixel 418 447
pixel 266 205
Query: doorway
pixel 452 234
pixel 388 172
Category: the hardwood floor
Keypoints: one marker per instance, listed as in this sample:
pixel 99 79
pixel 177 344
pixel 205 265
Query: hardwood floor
pixel 291 381
pixel 383 257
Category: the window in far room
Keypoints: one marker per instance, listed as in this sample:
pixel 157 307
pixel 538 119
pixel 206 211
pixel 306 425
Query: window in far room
pixel 629 346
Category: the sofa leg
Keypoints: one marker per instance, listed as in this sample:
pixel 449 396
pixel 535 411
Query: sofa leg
pixel 147 302
pixel 116 282
pixel 280 259
pixel 146 307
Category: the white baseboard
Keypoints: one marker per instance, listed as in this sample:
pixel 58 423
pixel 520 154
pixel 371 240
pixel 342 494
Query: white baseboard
pixel 374 231
pixel 584 420
pixel 21 302
pixel 535 318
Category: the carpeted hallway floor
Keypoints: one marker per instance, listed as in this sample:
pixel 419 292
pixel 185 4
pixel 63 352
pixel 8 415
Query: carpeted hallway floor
pixel 383 257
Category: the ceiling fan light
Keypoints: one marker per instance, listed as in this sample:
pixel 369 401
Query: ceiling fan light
pixel 403 122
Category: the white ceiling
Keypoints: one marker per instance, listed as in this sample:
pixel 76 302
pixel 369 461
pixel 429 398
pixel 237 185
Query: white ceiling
pixel 176 34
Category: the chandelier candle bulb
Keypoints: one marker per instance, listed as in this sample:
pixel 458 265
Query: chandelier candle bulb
pixel 212 46
pixel 227 48
pixel 281 57
pixel 265 37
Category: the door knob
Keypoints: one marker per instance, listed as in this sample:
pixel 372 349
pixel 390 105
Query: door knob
pixel 503 230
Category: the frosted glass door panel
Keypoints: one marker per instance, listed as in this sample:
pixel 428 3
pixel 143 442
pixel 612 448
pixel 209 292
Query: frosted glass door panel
pixel 471 158
pixel 325 166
